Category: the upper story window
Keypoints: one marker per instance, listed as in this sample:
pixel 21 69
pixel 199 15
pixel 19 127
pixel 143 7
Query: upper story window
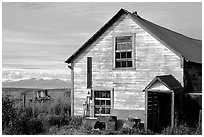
pixel 124 55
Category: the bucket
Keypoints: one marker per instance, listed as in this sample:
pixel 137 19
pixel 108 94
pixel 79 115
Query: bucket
pixel 90 123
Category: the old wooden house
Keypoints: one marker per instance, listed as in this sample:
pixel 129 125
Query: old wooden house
pixel 129 61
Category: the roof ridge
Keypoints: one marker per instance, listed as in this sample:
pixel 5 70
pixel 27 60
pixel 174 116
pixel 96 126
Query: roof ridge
pixel 99 32
pixel 185 46
pixel 168 29
pixel 162 27
pixel 180 44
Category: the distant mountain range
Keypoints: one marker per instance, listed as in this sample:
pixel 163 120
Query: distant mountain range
pixel 38 83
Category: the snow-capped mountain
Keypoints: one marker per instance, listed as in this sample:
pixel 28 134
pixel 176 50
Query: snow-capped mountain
pixel 37 83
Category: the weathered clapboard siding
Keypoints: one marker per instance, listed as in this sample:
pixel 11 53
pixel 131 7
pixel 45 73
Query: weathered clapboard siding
pixel 151 59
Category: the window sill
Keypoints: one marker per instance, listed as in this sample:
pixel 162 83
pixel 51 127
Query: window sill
pixel 102 114
pixel 132 68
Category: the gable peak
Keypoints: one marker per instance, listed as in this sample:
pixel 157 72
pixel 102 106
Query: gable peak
pixel 134 13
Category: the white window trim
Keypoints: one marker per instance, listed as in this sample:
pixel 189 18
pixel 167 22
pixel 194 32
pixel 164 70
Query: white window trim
pixel 111 99
pixel 133 51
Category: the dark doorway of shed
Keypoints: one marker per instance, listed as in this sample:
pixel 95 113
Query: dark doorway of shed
pixel 159 110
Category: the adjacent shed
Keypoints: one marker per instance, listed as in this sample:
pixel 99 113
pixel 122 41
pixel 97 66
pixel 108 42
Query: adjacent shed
pixel 163 102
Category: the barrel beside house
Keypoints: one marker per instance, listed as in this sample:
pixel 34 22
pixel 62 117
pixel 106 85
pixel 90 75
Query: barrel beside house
pixel 110 71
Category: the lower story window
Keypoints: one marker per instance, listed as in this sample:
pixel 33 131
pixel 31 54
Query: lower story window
pixel 102 102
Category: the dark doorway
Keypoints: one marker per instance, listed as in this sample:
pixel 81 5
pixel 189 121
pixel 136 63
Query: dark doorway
pixel 159 110
pixel 164 110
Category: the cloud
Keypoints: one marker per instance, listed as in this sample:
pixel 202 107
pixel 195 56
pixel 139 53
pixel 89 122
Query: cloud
pixel 36 38
pixel 27 50
pixel 29 5
pixel 21 74
pixel 41 36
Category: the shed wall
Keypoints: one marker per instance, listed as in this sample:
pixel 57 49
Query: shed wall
pixel 192 77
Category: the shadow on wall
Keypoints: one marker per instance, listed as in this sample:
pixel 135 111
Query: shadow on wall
pixel 193 109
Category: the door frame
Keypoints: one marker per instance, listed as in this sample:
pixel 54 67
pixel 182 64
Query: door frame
pixel 172 105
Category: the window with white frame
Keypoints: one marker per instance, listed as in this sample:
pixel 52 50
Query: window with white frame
pixel 102 102
pixel 123 56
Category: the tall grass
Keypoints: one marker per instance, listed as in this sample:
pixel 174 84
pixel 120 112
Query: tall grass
pixel 35 118
pixel 58 104
pixel 182 129
pixel 53 118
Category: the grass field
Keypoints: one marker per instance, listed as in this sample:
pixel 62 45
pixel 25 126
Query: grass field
pixel 58 96
pixel 20 118
pixel 16 92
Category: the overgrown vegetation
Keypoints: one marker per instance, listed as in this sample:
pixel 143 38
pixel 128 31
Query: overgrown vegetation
pixel 53 118
pixel 80 130
pixel 35 118
pixel 182 129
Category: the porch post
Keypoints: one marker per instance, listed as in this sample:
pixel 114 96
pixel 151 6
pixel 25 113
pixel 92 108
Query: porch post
pixel 72 89
pixel 172 109
pixel 146 107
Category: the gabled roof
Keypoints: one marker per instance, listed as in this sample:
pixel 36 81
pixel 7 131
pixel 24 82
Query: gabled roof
pixel 168 80
pixel 188 48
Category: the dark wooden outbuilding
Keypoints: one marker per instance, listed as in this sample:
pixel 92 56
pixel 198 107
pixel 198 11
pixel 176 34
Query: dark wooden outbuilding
pixel 164 102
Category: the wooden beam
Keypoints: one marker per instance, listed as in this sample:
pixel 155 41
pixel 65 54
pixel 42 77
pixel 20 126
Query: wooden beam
pixel 172 109
pixel 72 90
pixel 146 107
pixel 200 119
pixel 113 60
pixel 112 98
pixel 133 50
pixel 160 91
pixel 89 72
pixel 24 99
pixel 92 104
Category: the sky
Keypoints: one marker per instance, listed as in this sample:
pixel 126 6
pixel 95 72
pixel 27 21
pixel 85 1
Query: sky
pixel 38 37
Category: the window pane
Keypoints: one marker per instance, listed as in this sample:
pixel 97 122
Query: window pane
pixel 123 63
pixel 118 55
pixel 129 64
pixel 123 46
pixel 103 111
pixel 96 110
pixel 103 94
pixel 108 102
pixel 102 102
pixel 118 46
pixel 96 94
pixel 99 94
pixel 107 94
pixel 129 54
pixel 123 43
pixel 118 64
pixel 107 110
pixel 97 102
pixel 129 46
pixel 123 55
pixel 124 39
